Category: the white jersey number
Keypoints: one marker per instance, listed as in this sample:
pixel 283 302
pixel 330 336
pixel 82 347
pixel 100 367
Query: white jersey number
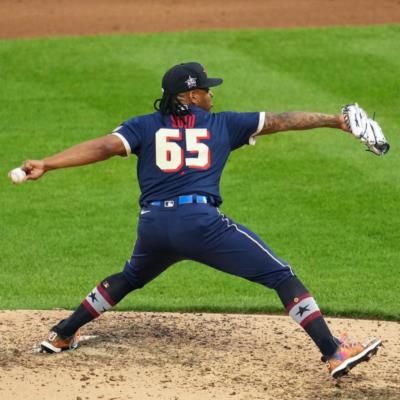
pixel 170 156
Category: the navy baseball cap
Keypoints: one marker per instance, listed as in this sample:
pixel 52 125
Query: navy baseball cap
pixel 187 76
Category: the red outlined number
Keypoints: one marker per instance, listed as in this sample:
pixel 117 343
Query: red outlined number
pixel 170 155
pixel 193 145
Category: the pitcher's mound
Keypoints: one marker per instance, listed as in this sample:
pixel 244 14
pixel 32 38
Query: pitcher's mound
pixel 171 356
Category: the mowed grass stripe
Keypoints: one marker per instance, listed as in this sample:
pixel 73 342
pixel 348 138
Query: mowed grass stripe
pixel 316 198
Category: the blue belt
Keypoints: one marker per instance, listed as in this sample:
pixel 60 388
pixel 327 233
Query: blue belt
pixel 187 199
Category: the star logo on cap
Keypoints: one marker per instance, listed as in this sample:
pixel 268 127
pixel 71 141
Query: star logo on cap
pixel 191 82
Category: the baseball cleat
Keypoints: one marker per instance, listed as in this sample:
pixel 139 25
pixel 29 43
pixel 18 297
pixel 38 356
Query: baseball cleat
pixel 349 354
pixel 56 344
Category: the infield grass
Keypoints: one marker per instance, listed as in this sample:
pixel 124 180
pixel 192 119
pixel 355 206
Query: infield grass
pixel 317 198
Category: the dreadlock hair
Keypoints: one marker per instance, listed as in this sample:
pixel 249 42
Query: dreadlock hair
pixel 170 104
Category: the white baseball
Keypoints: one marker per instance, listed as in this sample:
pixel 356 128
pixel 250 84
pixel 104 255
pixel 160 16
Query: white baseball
pixel 18 175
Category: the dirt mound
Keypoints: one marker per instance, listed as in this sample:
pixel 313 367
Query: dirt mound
pixel 188 356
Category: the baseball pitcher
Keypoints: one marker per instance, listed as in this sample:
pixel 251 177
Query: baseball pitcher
pixel 182 149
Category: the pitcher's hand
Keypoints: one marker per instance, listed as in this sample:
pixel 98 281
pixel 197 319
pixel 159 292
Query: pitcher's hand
pixel 34 169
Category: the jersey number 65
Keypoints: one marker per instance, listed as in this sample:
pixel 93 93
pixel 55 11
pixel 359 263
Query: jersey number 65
pixel 170 156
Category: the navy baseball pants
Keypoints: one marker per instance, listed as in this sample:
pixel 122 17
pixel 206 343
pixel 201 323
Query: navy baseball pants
pixel 200 232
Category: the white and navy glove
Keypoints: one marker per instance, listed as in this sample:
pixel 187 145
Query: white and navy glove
pixel 365 129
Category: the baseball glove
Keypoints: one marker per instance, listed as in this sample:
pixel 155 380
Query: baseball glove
pixel 365 129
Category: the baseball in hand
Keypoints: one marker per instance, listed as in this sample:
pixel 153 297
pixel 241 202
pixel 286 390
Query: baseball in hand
pixel 17 175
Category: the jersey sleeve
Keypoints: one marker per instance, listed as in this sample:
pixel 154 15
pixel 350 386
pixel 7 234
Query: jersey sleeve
pixel 130 134
pixel 243 127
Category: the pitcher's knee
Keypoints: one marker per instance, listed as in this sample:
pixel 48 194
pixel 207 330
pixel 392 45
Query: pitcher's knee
pixel 287 273
pixel 272 279
pixel 134 276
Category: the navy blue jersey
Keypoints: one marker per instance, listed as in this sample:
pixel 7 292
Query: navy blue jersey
pixel 178 156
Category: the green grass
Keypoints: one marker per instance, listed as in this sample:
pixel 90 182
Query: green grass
pixel 317 198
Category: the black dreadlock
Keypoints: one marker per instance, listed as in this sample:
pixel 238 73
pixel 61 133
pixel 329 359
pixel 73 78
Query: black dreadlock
pixel 169 104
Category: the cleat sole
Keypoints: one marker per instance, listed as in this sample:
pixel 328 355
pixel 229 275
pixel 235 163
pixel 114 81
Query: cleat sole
pixel 366 355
